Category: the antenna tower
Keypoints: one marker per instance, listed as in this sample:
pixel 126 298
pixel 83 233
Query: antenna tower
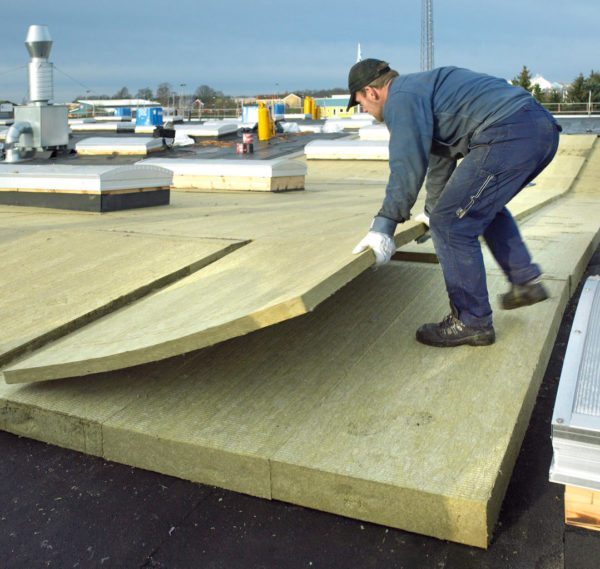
pixel 426 35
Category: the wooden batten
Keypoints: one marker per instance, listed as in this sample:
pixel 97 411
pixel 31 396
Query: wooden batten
pixel 242 183
pixel 129 146
pixel 582 507
pixel 277 175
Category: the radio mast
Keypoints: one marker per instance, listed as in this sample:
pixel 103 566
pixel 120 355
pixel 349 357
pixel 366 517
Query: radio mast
pixel 426 35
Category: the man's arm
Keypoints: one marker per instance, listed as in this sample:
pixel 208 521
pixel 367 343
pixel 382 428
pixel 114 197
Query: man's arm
pixel 409 118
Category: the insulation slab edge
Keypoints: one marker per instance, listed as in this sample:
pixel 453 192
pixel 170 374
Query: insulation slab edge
pixel 235 417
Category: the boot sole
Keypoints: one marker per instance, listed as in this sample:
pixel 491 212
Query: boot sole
pixel 473 341
pixel 512 304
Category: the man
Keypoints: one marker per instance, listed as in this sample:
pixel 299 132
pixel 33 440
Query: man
pixel 505 139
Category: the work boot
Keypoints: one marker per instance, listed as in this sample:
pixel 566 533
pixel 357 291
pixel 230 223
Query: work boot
pixel 523 295
pixel 451 331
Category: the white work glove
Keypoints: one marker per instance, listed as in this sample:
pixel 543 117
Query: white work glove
pixel 382 245
pixel 423 218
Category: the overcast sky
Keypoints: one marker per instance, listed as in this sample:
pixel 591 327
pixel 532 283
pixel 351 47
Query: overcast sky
pixel 250 47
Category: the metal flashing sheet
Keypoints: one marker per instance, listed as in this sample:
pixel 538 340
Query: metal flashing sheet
pixel 81 179
pixel 576 417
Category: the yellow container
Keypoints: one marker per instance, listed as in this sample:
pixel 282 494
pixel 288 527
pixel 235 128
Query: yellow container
pixel 265 127
pixel 307 106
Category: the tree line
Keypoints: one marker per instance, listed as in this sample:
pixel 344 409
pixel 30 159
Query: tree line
pixel 577 92
pixel 166 95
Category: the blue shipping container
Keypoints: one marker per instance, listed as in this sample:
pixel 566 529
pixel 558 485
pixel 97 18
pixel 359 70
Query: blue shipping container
pixel 123 112
pixel 149 116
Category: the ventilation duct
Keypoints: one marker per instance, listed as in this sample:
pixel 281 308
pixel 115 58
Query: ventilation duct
pixel 42 126
pixel 39 45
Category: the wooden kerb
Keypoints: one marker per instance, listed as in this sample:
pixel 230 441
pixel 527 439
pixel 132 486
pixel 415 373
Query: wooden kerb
pixel 582 507
pixel 251 183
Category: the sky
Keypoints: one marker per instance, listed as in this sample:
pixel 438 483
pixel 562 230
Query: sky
pixel 252 47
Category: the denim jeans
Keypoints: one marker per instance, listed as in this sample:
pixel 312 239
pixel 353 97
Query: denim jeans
pixel 501 161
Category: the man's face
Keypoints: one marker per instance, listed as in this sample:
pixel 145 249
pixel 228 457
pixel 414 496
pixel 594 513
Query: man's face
pixel 371 101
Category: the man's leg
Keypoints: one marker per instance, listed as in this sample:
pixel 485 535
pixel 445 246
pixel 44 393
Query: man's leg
pixel 461 215
pixel 505 243
pixel 501 162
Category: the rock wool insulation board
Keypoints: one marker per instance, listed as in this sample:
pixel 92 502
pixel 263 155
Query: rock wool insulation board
pixel 346 150
pixel 246 175
pixel 299 254
pixel 89 188
pixel 339 409
pixel 408 436
pixel 262 285
pixel 55 281
pixel 129 146
pixel 238 294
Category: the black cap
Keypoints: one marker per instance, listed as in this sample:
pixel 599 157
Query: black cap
pixel 363 73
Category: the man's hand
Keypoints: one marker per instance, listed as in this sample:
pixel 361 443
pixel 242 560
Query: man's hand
pixel 423 218
pixel 382 245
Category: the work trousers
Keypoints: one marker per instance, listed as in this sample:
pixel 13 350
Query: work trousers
pixel 501 161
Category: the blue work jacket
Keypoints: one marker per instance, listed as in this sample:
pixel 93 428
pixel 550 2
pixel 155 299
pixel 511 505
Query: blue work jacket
pixel 432 117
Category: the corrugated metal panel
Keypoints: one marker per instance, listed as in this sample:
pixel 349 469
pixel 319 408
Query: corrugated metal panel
pixel 587 399
pixel 576 418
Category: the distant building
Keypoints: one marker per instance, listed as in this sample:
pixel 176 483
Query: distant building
pixel 292 101
pixel 268 99
pixel 334 107
pixel 245 100
pixel 6 110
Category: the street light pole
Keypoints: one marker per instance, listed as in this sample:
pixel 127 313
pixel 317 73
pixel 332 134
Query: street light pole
pixel 182 85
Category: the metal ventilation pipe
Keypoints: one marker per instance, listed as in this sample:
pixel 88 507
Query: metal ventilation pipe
pixel 14 151
pixel 41 84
